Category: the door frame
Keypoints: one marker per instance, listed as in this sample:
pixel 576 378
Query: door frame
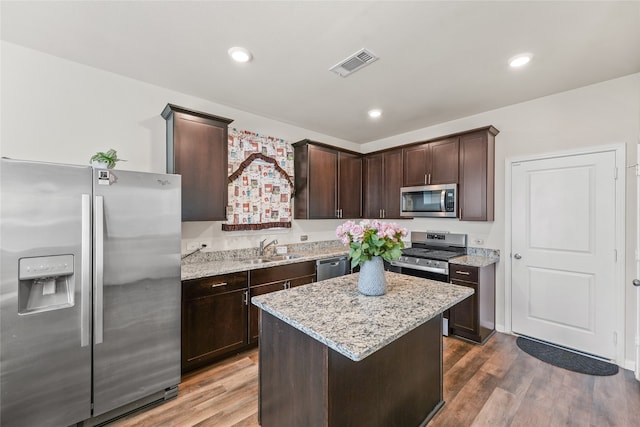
pixel 620 213
pixel 637 261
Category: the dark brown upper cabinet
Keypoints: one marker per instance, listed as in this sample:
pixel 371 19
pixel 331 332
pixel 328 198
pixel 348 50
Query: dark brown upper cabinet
pixel 382 183
pixel 431 163
pixel 477 175
pixel 197 146
pixel 327 182
pixel 349 185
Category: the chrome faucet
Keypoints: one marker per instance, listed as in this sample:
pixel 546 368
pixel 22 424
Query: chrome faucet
pixel 263 246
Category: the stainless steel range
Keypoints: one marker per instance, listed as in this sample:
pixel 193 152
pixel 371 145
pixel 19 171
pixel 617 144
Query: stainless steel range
pixel 429 254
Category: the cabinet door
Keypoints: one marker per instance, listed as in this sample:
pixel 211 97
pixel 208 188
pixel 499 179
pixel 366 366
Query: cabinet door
pixel 271 279
pixel 444 162
pixel 254 311
pixel 373 186
pixel 392 182
pixel 416 164
pixel 323 174
pixel 299 281
pixel 200 156
pixel 349 185
pixel 463 317
pixel 476 193
pixel 214 318
pixel 213 326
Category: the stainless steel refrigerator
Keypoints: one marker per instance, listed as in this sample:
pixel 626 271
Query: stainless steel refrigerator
pixel 89 292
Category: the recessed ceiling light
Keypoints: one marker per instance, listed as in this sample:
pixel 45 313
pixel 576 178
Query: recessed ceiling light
pixel 240 54
pixel 520 60
pixel 374 114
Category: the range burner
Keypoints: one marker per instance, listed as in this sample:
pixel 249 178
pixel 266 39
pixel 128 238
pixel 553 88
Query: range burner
pixel 443 255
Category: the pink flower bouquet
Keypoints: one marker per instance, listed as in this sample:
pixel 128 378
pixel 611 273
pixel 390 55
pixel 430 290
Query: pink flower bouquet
pixel 371 238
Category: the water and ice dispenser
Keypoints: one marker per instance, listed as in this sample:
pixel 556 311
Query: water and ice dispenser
pixel 46 283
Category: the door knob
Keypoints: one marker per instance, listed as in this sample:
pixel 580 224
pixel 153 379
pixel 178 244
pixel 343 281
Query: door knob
pixel 517 256
pixel 636 282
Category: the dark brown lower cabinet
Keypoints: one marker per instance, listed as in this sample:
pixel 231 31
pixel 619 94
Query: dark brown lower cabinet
pixel 265 280
pixel 475 317
pixel 303 382
pixel 254 311
pixel 214 318
pixel 218 318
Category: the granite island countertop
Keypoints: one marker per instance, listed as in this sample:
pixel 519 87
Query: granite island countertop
pixel 335 313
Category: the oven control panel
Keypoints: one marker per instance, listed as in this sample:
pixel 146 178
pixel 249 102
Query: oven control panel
pixel 436 236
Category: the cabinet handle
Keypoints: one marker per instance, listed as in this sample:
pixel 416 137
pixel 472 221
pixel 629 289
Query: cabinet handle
pixel 217 285
pixel 425 179
pixel 466 273
pixel 340 213
pixel 429 179
pixel 460 213
pixel 284 285
pixel 245 297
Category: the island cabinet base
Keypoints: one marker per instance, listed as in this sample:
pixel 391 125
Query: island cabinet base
pixel 303 382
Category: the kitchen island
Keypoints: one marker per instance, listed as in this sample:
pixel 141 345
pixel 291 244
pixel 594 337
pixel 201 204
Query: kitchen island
pixel 330 356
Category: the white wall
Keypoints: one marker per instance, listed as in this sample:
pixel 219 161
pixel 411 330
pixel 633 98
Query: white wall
pixel 60 111
pixel 596 115
pixel 56 110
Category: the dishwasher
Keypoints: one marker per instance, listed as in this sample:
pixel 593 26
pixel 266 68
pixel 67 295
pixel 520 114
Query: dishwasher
pixel 332 267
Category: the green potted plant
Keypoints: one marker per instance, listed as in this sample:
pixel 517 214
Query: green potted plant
pixel 105 160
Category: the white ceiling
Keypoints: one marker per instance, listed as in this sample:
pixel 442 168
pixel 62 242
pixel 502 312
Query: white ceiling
pixel 438 60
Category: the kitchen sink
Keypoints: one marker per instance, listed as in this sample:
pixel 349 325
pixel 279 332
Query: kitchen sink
pixel 274 258
pixel 255 260
pixel 283 257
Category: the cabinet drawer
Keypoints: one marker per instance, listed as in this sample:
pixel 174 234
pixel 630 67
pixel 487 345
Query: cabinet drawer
pixel 213 285
pixel 281 272
pixel 463 272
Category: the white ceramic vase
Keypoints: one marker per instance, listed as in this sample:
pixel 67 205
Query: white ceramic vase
pixel 371 281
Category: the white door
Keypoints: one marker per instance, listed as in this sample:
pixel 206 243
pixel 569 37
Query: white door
pixel 563 251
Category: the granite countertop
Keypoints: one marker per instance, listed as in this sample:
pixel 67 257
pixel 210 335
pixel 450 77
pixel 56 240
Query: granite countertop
pixel 336 314
pixel 226 266
pixel 474 260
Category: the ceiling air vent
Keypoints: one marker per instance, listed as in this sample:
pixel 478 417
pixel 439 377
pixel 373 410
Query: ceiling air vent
pixel 353 63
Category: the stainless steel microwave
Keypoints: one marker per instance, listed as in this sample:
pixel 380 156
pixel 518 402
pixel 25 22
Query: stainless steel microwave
pixel 429 201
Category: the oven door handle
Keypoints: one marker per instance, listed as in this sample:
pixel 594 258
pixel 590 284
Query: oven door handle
pixel 421 267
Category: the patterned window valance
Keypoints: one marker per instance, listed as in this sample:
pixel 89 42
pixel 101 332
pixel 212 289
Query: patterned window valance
pixel 260 182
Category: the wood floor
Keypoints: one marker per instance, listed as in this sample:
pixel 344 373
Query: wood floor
pixel 492 385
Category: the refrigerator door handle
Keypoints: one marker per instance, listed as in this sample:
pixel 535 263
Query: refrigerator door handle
pixel 98 268
pixel 85 275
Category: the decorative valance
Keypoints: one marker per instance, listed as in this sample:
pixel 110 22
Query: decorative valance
pixel 260 182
